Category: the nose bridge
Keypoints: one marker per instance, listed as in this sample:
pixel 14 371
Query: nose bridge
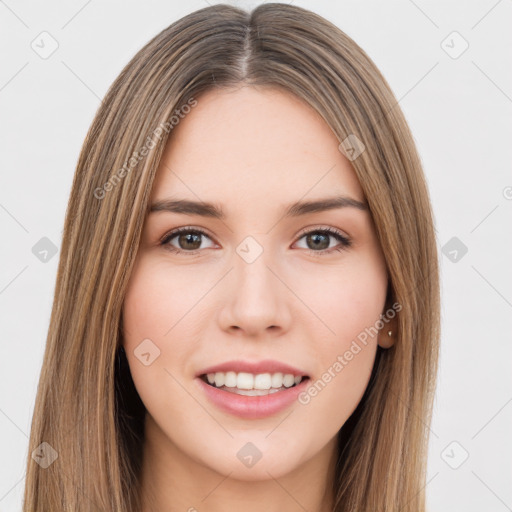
pixel 252 274
pixel 256 299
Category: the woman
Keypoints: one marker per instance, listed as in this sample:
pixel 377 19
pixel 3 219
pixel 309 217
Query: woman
pixel 246 313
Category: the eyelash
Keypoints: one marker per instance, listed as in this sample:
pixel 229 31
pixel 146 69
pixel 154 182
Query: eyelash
pixel 345 242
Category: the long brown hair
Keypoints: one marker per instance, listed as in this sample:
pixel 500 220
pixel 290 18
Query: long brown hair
pixel 87 411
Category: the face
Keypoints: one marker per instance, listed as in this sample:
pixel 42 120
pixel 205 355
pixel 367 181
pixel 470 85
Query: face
pixel 254 293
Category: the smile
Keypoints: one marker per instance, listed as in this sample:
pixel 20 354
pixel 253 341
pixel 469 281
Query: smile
pixel 249 384
pixel 252 403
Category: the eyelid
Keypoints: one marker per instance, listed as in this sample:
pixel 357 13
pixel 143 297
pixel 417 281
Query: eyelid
pixel 329 229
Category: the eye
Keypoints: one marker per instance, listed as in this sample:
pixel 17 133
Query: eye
pixel 318 241
pixel 188 240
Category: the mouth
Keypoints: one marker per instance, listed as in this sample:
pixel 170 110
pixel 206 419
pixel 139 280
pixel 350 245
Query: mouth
pixel 249 384
pixel 252 396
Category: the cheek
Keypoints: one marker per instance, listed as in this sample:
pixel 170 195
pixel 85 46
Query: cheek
pixel 349 306
pixel 164 304
pixel 347 299
pixel 158 330
pixel 334 395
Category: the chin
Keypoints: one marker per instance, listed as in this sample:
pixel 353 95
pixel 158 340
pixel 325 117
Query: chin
pixel 251 461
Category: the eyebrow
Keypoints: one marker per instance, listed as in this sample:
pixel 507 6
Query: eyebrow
pixel 296 209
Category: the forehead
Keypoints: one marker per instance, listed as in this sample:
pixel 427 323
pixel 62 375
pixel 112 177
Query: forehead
pixel 249 145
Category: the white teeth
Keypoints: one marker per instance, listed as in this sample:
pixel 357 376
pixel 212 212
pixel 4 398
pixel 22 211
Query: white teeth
pixel 253 392
pixel 288 380
pixel 277 380
pixel 263 381
pixel 230 380
pixel 249 381
pixel 219 379
pixel 245 381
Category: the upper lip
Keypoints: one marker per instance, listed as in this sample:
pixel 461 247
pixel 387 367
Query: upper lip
pixel 255 367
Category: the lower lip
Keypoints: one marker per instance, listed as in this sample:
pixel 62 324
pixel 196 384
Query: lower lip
pixel 253 407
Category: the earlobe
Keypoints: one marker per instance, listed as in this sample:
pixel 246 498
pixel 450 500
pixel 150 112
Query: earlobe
pixel 386 338
pixel 388 333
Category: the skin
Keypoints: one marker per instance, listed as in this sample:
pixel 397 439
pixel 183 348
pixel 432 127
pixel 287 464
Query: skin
pixel 252 151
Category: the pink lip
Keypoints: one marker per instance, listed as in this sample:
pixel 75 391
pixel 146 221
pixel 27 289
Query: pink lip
pixel 265 366
pixel 252 407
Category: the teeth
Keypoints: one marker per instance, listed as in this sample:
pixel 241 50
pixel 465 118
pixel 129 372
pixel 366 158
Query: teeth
pixel 277 380
pixel 262 381
pixel 288 380
pixel 252 392
pixel 249 381
pixel 230 380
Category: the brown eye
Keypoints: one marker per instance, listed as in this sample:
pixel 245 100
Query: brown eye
pixel 185 240
pixel 189 241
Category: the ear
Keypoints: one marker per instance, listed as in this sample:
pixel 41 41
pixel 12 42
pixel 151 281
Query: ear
pixel 388 334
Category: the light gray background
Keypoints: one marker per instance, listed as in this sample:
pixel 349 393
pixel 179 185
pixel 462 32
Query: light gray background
pixel 459 111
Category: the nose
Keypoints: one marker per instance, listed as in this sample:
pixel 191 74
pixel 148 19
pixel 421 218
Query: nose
pixel 257 302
